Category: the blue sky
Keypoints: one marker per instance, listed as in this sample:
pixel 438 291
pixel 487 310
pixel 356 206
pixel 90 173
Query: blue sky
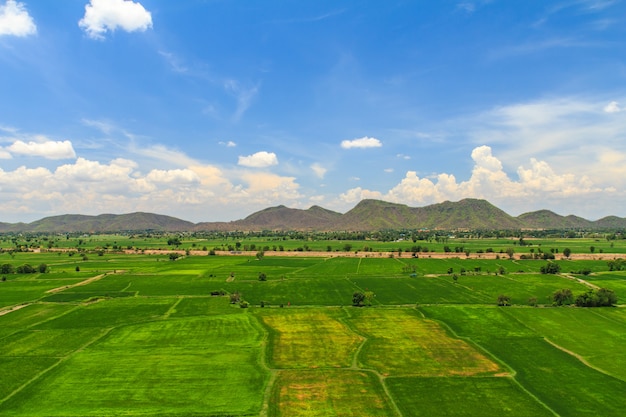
pixel 212 109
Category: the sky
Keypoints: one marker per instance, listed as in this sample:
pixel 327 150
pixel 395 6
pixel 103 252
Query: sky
pixel 210 110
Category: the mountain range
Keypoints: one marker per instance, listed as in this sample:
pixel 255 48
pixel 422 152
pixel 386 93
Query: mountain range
pixel 368 215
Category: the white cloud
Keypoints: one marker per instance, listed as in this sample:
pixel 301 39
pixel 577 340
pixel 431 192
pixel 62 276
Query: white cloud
pixel 612 107
pixel 102 16
pixel 47 149
pixel 15 20
pixel 259 160
pixel 319 170
pixel 229 144
pixel 364 142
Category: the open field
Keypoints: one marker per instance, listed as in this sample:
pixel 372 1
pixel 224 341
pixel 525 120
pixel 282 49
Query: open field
pixel 121 334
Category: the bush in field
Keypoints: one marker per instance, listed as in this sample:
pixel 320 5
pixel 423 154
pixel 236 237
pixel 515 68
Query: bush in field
pixel 358 299
pixel 550 268
pixel 616 265
pixel 504 300
pixel 42 268
pixel 26 269
pixel 7 269
pixel 597 298
pixel 235 298
pixel 262 276
pixel 562 297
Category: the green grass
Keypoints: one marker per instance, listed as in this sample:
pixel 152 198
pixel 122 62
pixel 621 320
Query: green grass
pixel 168 367
pixel 557 378
pixel 464 397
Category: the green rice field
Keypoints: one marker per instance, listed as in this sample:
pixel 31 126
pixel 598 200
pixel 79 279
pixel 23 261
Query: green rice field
pixel 139 334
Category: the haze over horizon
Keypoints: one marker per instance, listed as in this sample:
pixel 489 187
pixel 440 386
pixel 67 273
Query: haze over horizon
pixel 213 110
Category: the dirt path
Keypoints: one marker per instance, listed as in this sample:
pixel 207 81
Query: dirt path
pixel 78 284
pixel 13 308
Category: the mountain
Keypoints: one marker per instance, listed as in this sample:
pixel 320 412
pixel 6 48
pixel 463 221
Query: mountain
pixel 465 214
pixel 367 215
pixel 279 218
pixel 546 219
pixel 101 223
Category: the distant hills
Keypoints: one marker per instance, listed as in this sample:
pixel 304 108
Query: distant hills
pixel 368 215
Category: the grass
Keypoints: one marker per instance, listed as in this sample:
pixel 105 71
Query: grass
pixel 208 364
pixel 464 397
pixel 148 338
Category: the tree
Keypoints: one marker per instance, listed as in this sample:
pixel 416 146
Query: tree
pixel 562 297
pixel 358 299
pixel 592 249
pixel 510 252
pixel 7 269
pixel 550 268
pixel 235 297
pixel 262 276
pixel 42 268
pixel 504 300
pixel 369 296
pixel 567 252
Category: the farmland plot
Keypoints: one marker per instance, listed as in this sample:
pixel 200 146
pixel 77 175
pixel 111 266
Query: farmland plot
pixel 400 343
pixel 557 378
pixel 329 392
pixel 140 360
pixel 309 338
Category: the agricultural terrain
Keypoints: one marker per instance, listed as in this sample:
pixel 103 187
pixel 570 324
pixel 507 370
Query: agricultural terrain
pixel 191 328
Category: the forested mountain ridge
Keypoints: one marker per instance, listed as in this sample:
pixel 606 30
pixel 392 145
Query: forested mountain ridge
pixel 367 215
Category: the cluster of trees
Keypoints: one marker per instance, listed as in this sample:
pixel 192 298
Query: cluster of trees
pixel 596 298
pixel 601 297
pixel 6 269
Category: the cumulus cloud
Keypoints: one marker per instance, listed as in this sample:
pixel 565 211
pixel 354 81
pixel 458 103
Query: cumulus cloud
pixel 15 20
pixel 612 107
pixel 229 144
pixel 364 142
pixel 47 149
pixel 102 16
pixel 259 160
